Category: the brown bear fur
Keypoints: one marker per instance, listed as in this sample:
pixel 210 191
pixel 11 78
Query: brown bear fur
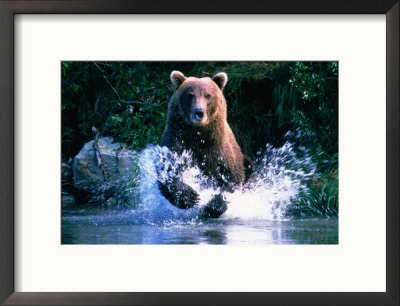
pixel 197 122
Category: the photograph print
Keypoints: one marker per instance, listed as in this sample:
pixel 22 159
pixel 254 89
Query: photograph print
pixel 231 153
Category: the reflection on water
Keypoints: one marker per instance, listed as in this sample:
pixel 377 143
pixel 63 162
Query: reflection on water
pixel 118 228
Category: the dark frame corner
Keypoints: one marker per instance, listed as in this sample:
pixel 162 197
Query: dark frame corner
pixel 9 8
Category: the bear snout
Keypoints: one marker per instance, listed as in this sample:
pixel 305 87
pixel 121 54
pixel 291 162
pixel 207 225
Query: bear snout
pixel 198 116
pixel 198 113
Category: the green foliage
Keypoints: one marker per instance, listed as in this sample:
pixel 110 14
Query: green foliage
pixel 99 94
pixel 317 84
pixel 322 198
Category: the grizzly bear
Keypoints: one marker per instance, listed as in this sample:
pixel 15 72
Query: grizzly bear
pixel 197 122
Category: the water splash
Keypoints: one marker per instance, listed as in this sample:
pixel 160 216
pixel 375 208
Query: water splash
pixel 280 176
pixel 158 164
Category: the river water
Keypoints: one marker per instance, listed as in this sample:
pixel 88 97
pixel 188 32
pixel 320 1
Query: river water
pixel 101 226
pixel 258 213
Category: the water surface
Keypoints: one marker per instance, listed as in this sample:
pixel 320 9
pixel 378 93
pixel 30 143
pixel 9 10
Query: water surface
pixel 99 226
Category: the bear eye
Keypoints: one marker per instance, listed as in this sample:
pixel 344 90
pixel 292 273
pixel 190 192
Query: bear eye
pixel 190 95
pixel 208 96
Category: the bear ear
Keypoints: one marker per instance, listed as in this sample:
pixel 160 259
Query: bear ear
pixel 177 78
pixel 221 79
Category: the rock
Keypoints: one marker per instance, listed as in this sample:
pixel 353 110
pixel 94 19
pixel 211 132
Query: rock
pixel 67 199
pixel 91 173
pixel 87 174
pixel 66 172
pixel 126 162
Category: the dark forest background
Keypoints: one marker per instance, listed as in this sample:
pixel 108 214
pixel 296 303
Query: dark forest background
pixel 265 100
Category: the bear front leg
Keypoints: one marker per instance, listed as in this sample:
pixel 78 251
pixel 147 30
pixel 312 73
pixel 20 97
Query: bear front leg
pixel 216 207
pixel 179 194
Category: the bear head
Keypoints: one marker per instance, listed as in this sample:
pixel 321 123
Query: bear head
pixel 199 100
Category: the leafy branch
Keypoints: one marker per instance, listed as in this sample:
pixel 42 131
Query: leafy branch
pixel 133 102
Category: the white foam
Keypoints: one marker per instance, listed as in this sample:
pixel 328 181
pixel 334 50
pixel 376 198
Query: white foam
pixel 279 178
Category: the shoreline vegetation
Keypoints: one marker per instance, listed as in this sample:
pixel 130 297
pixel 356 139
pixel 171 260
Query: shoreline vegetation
pixel 268 103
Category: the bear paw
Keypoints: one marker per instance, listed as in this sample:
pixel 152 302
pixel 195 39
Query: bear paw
pixel 178 194
pixel 216 207
pixel 188 198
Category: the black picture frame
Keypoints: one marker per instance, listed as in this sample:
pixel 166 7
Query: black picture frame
pixel 7 11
